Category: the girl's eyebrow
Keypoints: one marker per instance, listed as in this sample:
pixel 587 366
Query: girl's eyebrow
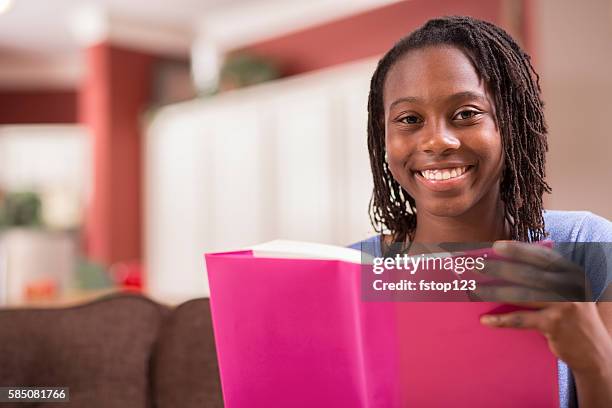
pixel 465 95
pixel 468 95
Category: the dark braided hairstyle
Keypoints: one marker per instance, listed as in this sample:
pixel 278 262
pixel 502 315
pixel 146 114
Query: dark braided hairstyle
pixel 515 86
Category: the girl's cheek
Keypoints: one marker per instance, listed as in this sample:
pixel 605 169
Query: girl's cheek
pixel 397 170
pixel 398 147
pixel 396 160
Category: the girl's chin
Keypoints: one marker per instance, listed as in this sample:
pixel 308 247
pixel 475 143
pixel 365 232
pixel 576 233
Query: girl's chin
pixel 447 208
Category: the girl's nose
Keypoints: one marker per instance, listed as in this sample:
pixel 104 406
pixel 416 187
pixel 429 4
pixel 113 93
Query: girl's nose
pixel 438 139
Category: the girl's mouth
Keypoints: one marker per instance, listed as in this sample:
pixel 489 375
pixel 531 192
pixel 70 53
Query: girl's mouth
pixel 444 178
pixel 443 174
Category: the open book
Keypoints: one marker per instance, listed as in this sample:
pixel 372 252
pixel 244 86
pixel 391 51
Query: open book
pixel 292 329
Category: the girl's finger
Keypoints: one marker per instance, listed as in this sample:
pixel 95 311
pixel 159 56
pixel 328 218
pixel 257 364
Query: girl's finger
pixel 534 305
pixel 509 294
pixel 566 284
pixel 516 320
pixel 537 255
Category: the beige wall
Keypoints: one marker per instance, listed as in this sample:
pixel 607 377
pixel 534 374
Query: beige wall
pixel 574 58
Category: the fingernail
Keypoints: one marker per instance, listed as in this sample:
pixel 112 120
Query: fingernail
pixel 500 244
pixel 489 320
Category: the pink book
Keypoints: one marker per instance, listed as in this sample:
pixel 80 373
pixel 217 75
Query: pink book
pixel 292 329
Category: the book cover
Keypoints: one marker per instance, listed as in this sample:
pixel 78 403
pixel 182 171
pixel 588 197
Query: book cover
pixel 292 328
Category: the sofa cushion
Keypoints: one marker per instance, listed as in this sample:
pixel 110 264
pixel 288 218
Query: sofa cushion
pixel 101 350
pixel 185 371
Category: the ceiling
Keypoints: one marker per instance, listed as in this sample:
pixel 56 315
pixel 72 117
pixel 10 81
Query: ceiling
pixel 44 26
pixel 42 38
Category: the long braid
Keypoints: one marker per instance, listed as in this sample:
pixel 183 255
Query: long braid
pixel 515 85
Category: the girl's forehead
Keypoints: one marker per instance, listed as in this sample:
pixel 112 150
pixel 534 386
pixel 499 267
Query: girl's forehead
pixel 431 73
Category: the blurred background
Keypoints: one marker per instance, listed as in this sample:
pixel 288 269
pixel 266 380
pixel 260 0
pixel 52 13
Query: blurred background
pixel 135 135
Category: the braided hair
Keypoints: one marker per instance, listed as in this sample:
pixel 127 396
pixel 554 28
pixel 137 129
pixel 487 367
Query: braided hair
pixel 519 115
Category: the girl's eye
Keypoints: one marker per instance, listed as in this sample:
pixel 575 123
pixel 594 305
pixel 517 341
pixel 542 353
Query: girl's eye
pixel 410 120
pixel 466 114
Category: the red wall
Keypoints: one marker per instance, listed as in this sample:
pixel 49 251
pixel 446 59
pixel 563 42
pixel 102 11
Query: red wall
pixel 115 93
pixel 40 106
pixel 364 35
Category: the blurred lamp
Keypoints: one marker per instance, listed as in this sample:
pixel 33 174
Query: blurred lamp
pixel 205 65
pixel 5 6
pixel 88 23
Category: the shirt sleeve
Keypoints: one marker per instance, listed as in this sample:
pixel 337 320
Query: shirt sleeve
pixel 596 235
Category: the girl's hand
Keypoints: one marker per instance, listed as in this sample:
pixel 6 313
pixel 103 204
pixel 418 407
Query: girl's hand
pixel 575 331
pixel 531 272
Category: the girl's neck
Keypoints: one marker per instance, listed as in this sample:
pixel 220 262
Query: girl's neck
pixel 480 224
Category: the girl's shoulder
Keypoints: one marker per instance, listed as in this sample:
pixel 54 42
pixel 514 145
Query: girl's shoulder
pixel 562 226
pixel 577 226
pixel 585 239
pixel 370 246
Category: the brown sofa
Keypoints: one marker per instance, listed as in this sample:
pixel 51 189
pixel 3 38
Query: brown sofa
pixel 123 350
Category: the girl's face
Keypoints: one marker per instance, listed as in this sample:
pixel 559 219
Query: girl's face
pixel 443 146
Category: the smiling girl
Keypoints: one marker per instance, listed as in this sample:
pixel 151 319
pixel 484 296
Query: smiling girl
pixel 457 142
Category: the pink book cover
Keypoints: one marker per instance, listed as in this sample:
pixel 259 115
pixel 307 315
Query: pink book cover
pixel 296 333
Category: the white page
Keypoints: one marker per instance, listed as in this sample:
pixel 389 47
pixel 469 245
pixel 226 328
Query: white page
pixel 281 248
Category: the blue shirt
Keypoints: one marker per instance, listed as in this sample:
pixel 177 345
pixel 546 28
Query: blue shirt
pixel 571 227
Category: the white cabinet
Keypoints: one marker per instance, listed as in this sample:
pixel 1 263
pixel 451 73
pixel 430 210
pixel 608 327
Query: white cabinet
pixel 286 159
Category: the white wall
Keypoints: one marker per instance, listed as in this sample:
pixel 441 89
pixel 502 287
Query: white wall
pixel 53 160
pixel 282 160
pixel 38 156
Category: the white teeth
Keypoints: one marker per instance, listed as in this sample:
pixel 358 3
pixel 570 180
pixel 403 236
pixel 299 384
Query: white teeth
pixel 443 174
